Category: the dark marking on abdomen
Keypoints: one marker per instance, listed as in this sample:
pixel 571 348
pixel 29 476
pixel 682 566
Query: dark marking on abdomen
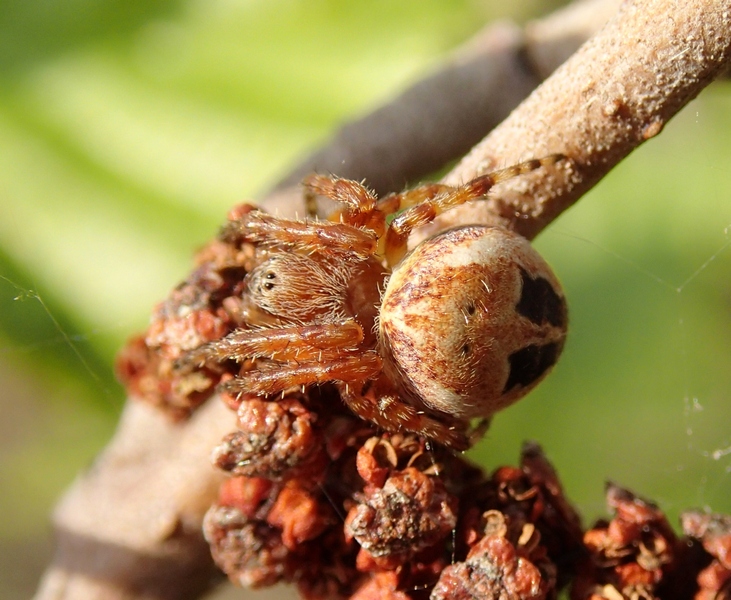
pixel 539 301
pixel 530 364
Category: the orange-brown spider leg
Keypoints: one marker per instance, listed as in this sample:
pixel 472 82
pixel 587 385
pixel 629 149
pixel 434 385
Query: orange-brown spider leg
pixel 261 228
pixel 390 413
pixel 352 194
pixel 393 203
pixel 359 203
pixel 267 380
pixel 425 212
pixel 396 202
pixel 305 343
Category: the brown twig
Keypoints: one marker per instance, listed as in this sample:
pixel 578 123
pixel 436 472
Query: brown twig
pixel 130 528
pixel 616 92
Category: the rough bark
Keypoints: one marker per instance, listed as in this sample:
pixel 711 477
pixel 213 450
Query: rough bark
pixel 616 92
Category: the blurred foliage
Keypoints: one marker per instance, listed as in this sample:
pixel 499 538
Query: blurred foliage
pixel 127 129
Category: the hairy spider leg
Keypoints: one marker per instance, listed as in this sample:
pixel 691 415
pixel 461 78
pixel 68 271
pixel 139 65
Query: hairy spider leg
pixel 267 380
pixel 357 199
pixel 426 211
pixel 297 343
pixel 408 198
pixel 355 196
pixel 393 203
pixel 360 203
pixel 389 412
pixel 260 228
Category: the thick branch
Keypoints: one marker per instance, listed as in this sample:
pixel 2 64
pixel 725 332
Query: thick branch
pixel 616 92
pixel 131 526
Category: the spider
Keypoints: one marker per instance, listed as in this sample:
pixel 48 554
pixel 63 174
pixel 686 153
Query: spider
pixel 464 325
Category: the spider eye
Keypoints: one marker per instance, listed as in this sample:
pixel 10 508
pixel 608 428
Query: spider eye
pixel 269 284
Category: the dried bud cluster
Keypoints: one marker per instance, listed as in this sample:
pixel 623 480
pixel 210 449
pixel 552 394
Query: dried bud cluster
pixel 419 523
pixel 322 499
pixel 637 556
pixel 204 307
pixel 630 555
pixel 714 534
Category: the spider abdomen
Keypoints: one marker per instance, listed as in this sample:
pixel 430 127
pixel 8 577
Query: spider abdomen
pixel 471 321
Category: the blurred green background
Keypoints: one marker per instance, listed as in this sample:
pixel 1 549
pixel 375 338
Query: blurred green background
pixel 127 129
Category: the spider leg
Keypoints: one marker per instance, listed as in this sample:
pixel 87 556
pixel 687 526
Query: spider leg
pixel 432 206
pixel 359 203
pixel 260 228
pixel 300 343
pixel 267 380
pixel 355 196
pixel 395 202
pixel 390 413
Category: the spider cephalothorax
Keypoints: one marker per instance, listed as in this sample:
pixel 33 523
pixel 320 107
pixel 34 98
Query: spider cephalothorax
pixel 466 324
